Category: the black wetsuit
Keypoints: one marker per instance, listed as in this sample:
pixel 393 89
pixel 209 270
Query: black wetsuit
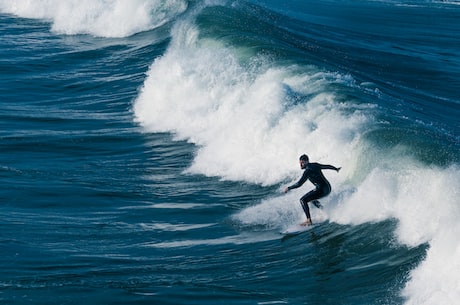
pixel 323 188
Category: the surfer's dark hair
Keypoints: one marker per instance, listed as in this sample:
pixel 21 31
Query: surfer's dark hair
pixel 303 157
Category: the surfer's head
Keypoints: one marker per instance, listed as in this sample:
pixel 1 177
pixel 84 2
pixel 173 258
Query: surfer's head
pixel 303 160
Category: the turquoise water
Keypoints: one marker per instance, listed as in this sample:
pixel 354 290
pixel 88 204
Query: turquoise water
pixel 145 144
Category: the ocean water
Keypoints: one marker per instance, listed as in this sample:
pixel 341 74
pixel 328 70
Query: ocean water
pixel 144 146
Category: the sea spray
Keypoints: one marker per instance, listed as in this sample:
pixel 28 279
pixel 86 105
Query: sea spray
pixel 102 18
pixel 241 116
pixel 435 219
pixel 425 203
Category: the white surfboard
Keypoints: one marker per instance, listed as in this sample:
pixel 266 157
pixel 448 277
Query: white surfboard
pixel 295 229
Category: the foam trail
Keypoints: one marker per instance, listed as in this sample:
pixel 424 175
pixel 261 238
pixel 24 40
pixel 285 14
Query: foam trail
pixel 103 18
pixel 277 213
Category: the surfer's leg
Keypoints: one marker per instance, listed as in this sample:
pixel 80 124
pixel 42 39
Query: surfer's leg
pixel 317 204
pixel 305 208
pixel 312 195
pixel 319 193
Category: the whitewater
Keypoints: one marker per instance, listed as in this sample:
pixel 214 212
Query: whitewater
pixel 251 92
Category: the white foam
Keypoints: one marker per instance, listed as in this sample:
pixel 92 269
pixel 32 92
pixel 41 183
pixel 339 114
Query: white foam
pixel 278 213
pixel 238 114
pixel 240 239
pixel 436 280
pixel 104 18
pixel 425 203
pixel 436 219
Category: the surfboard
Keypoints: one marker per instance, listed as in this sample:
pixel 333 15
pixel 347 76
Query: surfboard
pixel 295 230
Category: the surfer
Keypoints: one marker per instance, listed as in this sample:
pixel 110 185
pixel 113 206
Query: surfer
pixel 313 172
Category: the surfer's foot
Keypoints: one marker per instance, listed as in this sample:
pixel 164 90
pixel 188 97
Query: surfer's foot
pixel 317 204
pixel 306 223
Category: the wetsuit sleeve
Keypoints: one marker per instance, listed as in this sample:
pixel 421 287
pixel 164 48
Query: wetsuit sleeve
pixel 300 182
pixel 327 166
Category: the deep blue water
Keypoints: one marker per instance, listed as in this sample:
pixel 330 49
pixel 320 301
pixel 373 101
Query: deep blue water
pixel 144 146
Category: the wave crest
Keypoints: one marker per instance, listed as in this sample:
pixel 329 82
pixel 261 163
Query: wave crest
pixel 102 18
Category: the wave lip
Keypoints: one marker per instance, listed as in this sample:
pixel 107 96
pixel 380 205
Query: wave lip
pixel 102 18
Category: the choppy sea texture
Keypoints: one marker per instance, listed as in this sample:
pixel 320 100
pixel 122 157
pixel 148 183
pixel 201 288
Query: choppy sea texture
pixel 145 145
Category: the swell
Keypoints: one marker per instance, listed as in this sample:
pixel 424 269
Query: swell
pixel 67 133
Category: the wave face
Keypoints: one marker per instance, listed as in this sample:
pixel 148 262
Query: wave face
pixel 178 124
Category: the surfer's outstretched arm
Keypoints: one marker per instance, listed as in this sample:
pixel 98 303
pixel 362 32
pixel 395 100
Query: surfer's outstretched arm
pixel 328 166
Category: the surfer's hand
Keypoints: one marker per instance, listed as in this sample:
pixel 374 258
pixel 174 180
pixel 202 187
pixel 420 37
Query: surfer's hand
pixel 338 169
pixel 286 190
